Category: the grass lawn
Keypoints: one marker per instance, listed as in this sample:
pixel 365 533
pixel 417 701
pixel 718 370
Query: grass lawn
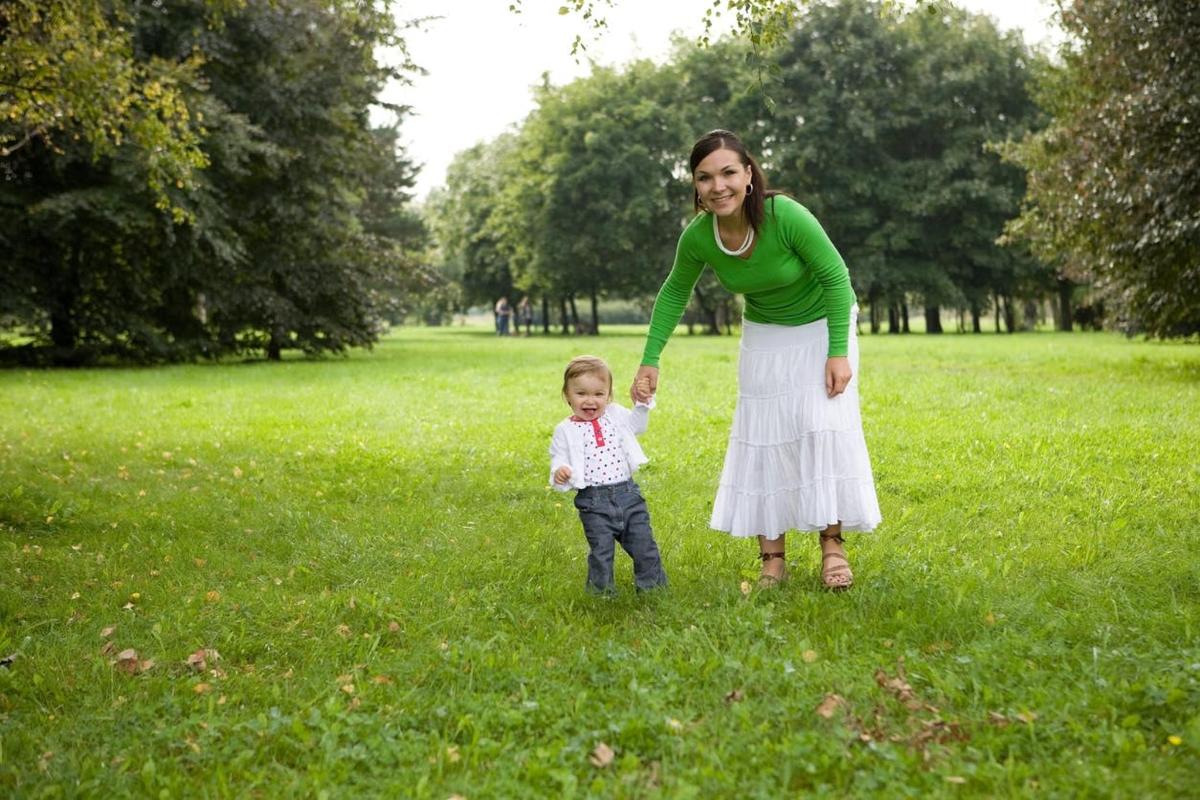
pixel 379 596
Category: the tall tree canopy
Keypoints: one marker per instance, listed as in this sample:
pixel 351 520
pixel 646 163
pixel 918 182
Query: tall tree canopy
pixel 1114 181
pixel 879 122
pixel 291 235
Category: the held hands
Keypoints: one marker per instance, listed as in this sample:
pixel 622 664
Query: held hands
pixel 837 375
pixel 645 384
pixel 562 474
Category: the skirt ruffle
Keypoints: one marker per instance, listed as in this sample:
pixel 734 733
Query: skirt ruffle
pixel 796 460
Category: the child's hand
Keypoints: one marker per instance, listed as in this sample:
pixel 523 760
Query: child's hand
pixel 645 384
pixel 562 474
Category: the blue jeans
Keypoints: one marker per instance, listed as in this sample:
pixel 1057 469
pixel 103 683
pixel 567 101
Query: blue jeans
pixel 617 514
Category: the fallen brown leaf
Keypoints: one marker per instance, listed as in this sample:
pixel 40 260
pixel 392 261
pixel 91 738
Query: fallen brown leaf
pixel 735 696
pixel 198 660
pixel 829 706
pixel 602 756
pixel 127 661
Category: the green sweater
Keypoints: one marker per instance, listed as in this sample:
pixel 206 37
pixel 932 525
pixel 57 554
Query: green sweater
pixel 793 276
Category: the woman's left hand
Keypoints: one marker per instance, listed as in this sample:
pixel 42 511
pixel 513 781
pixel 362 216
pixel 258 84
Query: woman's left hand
pixel 837 375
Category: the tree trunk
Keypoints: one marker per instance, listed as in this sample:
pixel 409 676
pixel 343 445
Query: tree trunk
pixel 893 319
pixel 595 315
pixel 1009 316
pixel 274 349
pixel 1030 315
pixel 574 312
pixel 546 314
pixel 1065 289
pixel 976 315
pixel 873 297
pixel 996 304
pixel 566 319
pixel 904 313
pixel 63 333
pixel 933 319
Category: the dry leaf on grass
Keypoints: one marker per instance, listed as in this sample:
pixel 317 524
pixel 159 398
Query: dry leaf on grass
pixel 735 696
pixel 829 706
pixel 198 660
pixel 602 756
pixel 128 662
pixel 899 686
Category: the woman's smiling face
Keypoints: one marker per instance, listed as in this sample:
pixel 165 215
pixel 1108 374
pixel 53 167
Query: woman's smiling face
pixel 721 180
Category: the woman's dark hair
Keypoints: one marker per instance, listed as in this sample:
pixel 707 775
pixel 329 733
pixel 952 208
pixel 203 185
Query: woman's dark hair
pixel 720 139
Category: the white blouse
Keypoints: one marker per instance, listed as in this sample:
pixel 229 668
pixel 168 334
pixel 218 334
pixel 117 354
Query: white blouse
pixel 575 445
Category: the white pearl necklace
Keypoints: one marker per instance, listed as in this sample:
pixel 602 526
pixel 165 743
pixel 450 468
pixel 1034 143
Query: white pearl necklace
pixel 749 240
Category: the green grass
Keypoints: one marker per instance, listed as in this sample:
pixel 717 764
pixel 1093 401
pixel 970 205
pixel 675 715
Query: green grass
pixel 397 600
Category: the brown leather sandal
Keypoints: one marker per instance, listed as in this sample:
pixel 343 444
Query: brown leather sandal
pixel 832 576
pixel 770 581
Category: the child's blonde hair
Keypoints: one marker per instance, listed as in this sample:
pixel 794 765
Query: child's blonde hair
pixel 587 365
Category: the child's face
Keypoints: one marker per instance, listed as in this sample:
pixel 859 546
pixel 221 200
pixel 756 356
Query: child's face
pixel 587 395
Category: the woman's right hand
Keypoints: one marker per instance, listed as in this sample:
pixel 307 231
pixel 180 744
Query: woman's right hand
pixel 645 384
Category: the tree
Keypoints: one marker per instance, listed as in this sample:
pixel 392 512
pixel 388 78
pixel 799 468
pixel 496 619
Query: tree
pixel 68 73
pixel 892 114
pixel 288 238
pixel 1114 180
pixel 465 223
pixel 595 187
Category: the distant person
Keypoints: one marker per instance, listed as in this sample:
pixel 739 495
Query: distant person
pixel 596 452
pixel 796 458
pixel 525 315
pixel 503 316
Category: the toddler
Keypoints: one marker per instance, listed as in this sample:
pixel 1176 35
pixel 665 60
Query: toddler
pixel 596 451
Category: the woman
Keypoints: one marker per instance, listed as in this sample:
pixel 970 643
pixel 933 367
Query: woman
pixel 525 315
pixel 796 459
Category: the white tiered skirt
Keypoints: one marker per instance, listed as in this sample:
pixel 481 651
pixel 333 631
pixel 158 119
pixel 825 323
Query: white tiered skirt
pixel 796 460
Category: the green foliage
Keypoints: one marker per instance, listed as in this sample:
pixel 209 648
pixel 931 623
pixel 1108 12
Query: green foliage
pixel 877 120
pixel 293 236
pixel 893 114
pixel 68 72
pixel 467 224
pixel 398 609
pixel 1113 181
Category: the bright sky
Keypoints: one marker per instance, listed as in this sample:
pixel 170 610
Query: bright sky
pixel 483 59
